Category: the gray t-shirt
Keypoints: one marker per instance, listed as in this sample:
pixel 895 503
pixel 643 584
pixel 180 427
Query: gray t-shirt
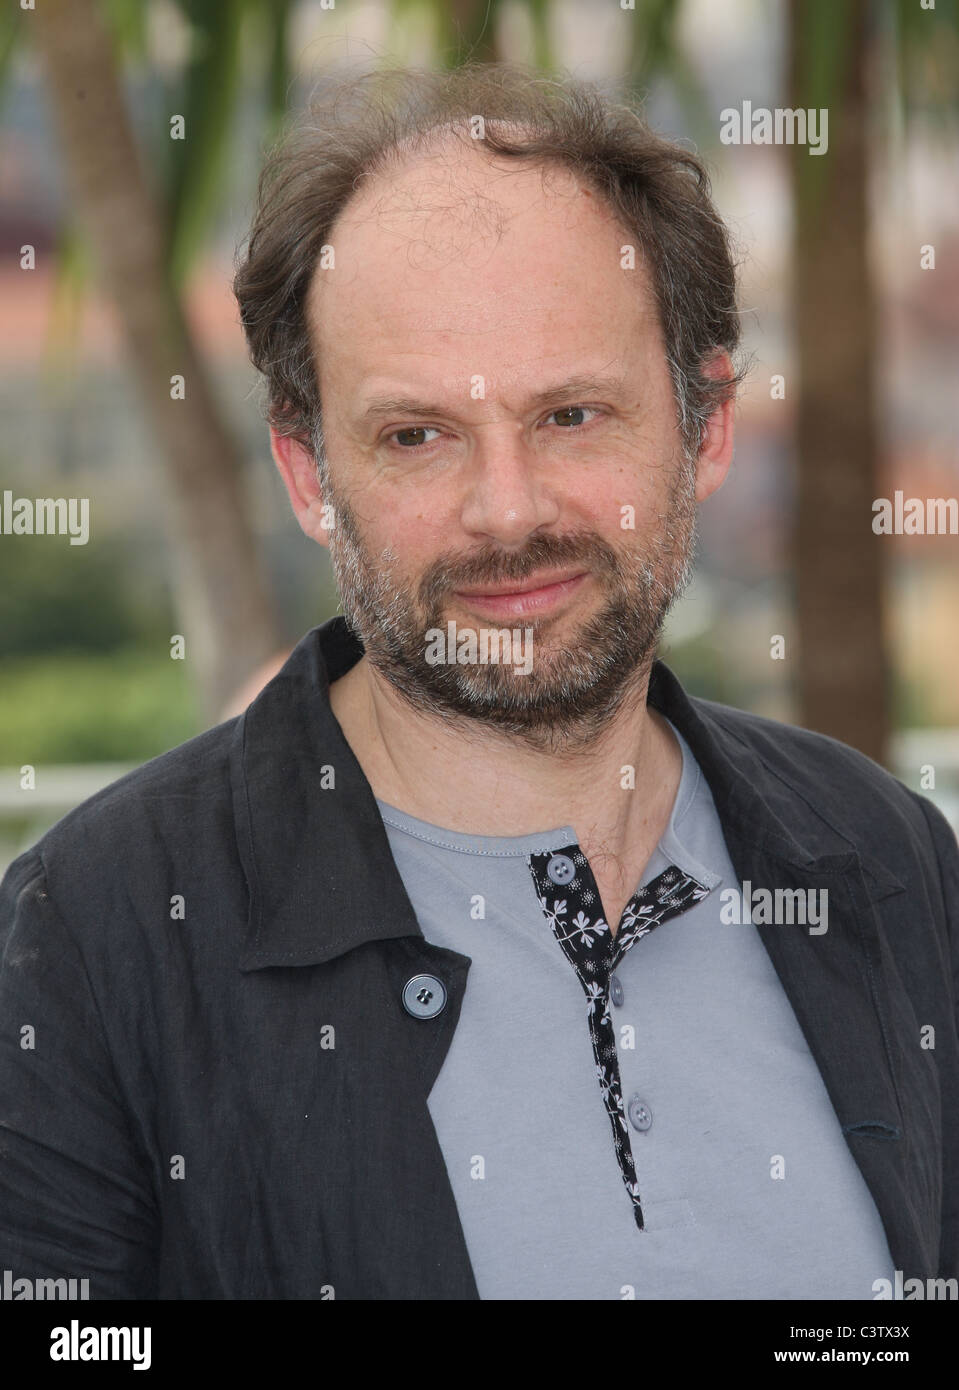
pixel 749 1190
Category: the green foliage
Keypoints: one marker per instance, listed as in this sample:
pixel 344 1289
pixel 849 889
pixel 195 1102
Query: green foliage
pixel 925 52
pixel 909 700
pixel 823 54
pixel 128 24
pixel 207 99
pixel 465 29
pixel 55 595
pixel 124 706
pixel 11 19
pixel 274 19
pixel 702 667
pixel 656 51
pixel 206 93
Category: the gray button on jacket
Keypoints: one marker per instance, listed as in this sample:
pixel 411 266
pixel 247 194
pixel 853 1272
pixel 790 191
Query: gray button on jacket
pixel 210 1087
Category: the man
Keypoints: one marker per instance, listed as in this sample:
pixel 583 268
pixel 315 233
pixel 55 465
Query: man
pixel 476 959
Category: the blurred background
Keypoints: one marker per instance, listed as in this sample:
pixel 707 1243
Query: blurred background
pixel 131 137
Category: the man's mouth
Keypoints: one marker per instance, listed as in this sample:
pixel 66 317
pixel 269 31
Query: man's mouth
pixel 514 598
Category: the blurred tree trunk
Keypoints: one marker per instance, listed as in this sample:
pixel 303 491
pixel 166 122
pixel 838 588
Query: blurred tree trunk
pixel 844 675
pixel 224 608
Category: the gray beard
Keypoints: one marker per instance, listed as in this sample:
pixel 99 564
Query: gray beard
pixel 572 691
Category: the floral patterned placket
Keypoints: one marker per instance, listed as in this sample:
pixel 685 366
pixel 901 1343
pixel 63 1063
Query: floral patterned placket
pixel 571 903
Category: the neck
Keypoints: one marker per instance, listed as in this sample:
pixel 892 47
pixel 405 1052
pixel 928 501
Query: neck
pixel 476 780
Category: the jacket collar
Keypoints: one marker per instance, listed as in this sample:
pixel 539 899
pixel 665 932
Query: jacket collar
pixel 763 780
pixel 311 840
pixel 317 860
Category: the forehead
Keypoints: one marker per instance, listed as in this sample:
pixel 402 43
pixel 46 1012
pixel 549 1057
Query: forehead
pixel 455 251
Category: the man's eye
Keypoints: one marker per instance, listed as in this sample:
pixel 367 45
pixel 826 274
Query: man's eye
pixel 572 410
pixel 416 430
pixel 414 436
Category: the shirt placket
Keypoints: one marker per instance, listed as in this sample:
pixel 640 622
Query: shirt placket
pixel 571 903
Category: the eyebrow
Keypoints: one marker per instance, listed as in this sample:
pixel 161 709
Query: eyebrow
pixel 380 406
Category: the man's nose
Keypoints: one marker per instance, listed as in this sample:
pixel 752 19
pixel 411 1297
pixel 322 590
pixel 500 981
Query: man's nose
pixel 509 495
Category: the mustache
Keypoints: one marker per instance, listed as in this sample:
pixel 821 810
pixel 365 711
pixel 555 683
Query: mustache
pixel 494 566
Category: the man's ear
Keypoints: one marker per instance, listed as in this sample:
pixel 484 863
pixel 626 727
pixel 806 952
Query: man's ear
pixel 716 451
pixel 297 468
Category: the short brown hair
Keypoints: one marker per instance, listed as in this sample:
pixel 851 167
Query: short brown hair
pixel 352 126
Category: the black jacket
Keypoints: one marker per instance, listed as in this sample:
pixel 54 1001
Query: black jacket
pixel 177 1124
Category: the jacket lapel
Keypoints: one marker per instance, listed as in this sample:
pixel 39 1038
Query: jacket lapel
pixel 837 981
pixel 839 991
